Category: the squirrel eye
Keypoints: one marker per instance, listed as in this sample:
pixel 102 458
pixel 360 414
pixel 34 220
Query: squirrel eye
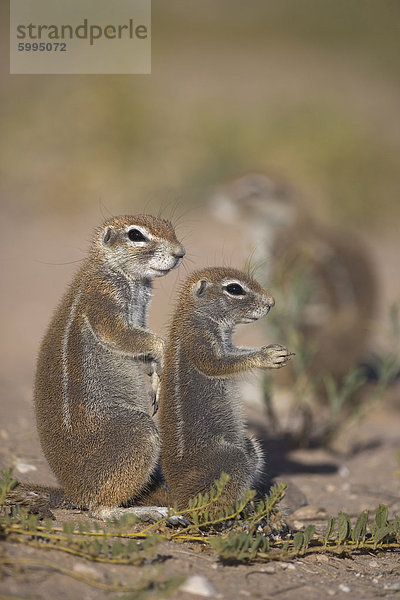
pixel 235 289
pixel 136 236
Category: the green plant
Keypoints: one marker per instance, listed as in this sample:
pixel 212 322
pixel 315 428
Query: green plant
pixel 249 531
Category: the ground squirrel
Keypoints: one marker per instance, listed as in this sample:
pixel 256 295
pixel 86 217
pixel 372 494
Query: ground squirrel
pixel 332 268
pixel 200 420
pixel 92 409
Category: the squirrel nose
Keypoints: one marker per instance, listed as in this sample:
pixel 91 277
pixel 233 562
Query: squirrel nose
pixel 270 301
pixel 179 252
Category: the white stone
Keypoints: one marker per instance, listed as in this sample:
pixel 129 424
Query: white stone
pixel 269 569
pixel 285 565
pixel 87 570
pixel 343 471
pixel 373 563
pixel 23 467
pixel 344 588
pixel 395 586
pixel 197 584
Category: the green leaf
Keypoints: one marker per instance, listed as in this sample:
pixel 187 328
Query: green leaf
pixel 132 547
pixel 381 515
pixel 330 529
pixel 308 533
pixel 298 541
pixel 344 526
pixel 48 525
pixel 32 523
pixel 396 525
pixel 381 533
pixel 68 527
pixel 95 548
pixel 360 527
pixel 117 548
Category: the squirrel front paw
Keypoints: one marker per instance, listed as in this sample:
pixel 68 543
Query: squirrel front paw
pixel 275 356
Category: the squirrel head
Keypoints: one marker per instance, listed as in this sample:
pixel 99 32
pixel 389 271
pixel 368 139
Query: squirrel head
pixel 141 246
pixel 255 196
pixel 227 295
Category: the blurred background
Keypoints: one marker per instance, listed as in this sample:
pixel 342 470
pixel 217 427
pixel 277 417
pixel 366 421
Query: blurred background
pixel 310 89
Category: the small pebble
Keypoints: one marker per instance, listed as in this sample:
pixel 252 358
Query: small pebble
pixel 23 467
pixel 343 471
pixel 395 586
pixel 373 563
pixel 375 580
pixel 309 512
pixel 197 584
pixel 323 558
pixel 344 588
pixel 331 592
pixel 269 569
pixel 83 569
pixel 289 566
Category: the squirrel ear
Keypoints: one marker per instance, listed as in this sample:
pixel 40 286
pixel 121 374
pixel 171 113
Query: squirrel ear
pixel 108 236
pixel 200 287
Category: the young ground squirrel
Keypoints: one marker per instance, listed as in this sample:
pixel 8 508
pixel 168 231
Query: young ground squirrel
pixel 200 417
pixel 91 401
pixel 332 270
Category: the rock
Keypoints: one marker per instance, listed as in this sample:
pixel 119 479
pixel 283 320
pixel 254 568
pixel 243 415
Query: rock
pixel 293 500
pixel 198 585
pixel 344 588
pixel 23 467
pixel 298 525
pixel 289 566
pixel 373 563
pixel 309 512
pixel 394 587
pixel 86 570
pixel 269 569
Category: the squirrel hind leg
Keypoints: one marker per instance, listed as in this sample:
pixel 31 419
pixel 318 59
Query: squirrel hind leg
pixel 199 474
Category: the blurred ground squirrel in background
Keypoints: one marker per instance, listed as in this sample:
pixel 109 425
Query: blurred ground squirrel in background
pixel 200 418
pixel 91 400
pixel 336 292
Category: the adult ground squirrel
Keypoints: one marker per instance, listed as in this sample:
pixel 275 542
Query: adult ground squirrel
pixel 334 275
pixel 91 401
pixel 200 416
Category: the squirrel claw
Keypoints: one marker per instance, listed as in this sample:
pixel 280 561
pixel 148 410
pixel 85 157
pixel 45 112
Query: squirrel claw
pixel 154 403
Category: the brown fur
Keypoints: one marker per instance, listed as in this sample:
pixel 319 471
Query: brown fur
pixel 91 398
pixel 200 418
